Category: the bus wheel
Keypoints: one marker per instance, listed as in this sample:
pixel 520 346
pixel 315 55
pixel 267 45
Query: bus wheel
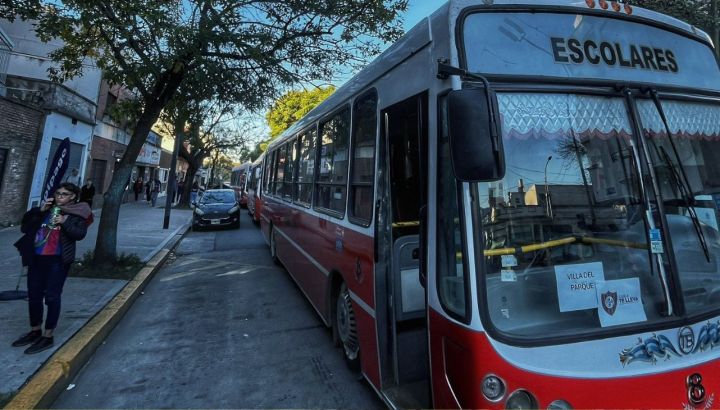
pixel 346 328
pixel 273 246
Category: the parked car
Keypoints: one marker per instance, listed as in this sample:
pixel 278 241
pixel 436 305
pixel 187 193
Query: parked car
pixel 216 207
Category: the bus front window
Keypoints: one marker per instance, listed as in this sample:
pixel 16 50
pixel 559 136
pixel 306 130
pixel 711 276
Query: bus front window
pixel 687 166
pixel 564 232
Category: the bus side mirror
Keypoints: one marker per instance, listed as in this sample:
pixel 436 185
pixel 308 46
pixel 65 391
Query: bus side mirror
pixel 475 141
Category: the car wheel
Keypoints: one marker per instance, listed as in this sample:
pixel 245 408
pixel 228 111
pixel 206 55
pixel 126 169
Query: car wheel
pixel 346 328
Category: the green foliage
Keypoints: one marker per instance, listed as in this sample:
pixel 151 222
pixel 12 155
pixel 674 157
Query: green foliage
pixel 292 106
pixel 700 13
pixel 179 54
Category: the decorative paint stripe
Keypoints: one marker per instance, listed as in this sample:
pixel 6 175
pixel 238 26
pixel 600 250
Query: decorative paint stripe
pixel 343 222
pixel 301 250
pixel 370 311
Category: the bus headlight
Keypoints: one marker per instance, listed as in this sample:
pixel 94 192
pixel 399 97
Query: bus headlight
pixel 493 388
pixel 199 211
pixel 521 399
pixel 559 405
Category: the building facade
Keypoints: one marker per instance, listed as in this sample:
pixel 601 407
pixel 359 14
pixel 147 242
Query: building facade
pixel 69 109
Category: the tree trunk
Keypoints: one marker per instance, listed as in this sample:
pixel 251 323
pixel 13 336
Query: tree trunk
pixel 106 243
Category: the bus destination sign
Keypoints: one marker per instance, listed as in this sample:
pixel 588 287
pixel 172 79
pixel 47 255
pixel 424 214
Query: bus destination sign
pixel 572 50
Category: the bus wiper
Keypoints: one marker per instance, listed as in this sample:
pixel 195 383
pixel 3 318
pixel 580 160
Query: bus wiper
pixel 680 178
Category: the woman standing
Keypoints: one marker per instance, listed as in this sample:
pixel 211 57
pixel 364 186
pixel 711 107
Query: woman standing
pixel 55 227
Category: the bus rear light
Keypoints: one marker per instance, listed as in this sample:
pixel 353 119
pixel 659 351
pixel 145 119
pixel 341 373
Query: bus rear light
pixel 521 399
pixel 603 4
pixel 590 3
pixel 559 405
pixel 493 388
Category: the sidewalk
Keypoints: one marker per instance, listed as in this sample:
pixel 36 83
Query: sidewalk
pixel 139 232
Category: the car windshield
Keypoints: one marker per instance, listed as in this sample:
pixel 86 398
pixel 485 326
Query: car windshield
pixel 217 197
pixel 565 229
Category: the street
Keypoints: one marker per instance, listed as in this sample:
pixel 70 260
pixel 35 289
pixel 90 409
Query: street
pixel 220 326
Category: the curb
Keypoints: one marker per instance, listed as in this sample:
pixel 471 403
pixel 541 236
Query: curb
pixel 59 370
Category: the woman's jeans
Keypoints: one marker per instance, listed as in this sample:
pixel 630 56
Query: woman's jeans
pixel 46 277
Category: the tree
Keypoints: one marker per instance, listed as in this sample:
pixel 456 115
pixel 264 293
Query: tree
pixel 234 48
pixel 699 13
pixel 292 106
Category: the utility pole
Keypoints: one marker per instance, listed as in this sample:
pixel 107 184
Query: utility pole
pixel 172 180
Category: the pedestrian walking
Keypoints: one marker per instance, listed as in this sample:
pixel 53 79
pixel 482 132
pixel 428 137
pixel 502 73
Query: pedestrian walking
pixel 148 186
pixel 194 192
pixel 138 187
pixel 179 192
pixel 154 191
pixel 87 192
pixel 55 227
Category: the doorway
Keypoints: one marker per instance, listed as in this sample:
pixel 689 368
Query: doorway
pixel 405 135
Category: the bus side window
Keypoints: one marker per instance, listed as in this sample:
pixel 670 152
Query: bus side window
pixel 362 174
pixel 331 183
pixel 280 158
pixel 306 168
pixel 290 157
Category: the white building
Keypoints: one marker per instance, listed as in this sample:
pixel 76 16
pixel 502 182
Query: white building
pixel 70 107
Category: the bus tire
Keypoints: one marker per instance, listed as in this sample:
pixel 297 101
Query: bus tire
pixel 273 246
pixel 345 328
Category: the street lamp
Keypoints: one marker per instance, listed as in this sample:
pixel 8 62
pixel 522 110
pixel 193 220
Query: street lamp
pixel 548 208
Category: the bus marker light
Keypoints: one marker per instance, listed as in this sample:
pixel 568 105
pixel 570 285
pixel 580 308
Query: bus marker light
pixel 493 388
pixel 521 399
pixel 603 4
pixel 615 5
pixel 590 3
pixel 628 8
pixel 559 405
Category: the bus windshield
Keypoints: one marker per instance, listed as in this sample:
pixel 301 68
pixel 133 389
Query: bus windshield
pixel 569 248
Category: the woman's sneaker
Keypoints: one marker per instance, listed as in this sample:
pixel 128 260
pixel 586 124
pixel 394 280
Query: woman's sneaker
pixel 41 344
pixel 29 338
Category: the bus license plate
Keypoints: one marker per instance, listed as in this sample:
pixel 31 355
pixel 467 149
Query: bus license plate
pixel 214 222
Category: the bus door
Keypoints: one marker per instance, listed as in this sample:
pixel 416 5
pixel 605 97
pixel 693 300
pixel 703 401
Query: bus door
pixel 405 361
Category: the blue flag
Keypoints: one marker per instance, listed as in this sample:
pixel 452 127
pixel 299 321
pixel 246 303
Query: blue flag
pixel 58 166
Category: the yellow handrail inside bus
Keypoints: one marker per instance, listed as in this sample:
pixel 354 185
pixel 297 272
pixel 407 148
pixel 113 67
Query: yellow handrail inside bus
pixel 563 241
pixel 405 224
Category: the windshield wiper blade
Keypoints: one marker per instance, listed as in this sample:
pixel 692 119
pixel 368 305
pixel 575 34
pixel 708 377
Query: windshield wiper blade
pixel 679 178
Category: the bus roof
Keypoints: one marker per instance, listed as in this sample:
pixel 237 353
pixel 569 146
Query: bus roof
pixel 420 36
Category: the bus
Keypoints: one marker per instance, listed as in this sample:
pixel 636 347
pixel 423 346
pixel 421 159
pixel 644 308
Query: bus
pixel 237 181
pixel 515 206
pixel 254 194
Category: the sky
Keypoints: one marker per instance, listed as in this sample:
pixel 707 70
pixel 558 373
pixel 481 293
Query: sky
pixel 416 10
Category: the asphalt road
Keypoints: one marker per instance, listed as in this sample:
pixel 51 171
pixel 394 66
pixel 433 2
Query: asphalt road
pixel 220 326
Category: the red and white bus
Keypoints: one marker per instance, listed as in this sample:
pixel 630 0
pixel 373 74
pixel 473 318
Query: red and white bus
pixel 238 176
pixel 253 188
pixel 515 206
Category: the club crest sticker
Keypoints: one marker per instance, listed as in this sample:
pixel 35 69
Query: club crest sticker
pixel 620 302
pixel 609 302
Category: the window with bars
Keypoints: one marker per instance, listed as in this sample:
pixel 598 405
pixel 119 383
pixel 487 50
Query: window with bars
pixel 331 181
pixel 362 173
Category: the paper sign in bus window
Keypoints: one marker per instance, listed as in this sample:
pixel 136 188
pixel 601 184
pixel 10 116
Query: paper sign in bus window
pixel 576 285
pixel 620 302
